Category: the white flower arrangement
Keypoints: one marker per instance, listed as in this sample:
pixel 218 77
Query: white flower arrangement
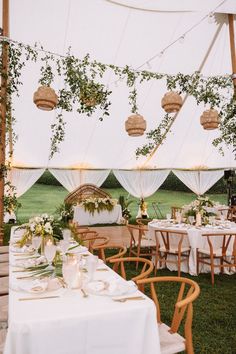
pixel 41 225
pixel 202 205
pixel 93 204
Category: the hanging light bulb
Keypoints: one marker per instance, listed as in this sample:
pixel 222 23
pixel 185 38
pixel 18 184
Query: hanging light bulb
pixel 211 17
pixel 182 38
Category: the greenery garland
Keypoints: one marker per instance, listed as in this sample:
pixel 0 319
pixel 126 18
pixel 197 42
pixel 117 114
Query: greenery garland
pixel 82 90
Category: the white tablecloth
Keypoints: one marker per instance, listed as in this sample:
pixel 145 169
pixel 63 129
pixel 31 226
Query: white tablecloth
pixel 78 325
pixel 195 240
pixel 104 217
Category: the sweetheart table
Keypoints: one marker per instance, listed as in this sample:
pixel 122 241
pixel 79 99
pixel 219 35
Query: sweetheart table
pixel 103 217
pixel 73 324
pixel 194 240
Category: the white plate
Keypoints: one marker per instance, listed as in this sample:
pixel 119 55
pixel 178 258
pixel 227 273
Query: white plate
pixel 111 288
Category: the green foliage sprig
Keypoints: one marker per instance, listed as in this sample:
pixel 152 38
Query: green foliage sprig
pixel 83 90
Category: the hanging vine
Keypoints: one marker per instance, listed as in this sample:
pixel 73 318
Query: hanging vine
pixel 82 90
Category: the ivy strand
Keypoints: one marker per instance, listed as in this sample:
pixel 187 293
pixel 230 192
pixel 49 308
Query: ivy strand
pixel 83 90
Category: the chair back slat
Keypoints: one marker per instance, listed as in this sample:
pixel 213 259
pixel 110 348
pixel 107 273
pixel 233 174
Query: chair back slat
pixel 146 269
pixel 155 299
pixel 220 241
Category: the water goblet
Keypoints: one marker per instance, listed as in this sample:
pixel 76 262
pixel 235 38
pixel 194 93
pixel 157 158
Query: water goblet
pixel 66 233
pixel 191 219
pixel 64 245
pixel 168 217
pixel 50 252
pixel 36 242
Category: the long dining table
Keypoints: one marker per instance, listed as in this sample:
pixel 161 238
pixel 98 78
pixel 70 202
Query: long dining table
pixel 75 324
pixel 194 240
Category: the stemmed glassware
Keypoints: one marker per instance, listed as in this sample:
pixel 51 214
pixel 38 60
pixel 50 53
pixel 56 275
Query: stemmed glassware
pixel 64 245
pixel 50 252
pixel 191 219
pixel 36 242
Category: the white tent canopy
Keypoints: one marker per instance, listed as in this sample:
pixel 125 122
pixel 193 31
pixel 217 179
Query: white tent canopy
pixel 122 35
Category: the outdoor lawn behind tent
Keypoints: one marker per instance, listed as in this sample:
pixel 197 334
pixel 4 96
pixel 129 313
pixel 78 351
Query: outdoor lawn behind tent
pixel 46 198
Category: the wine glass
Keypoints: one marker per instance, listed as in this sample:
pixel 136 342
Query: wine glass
pixel 168 217
pixel 49 252
pixel 191 219
pixel 36 242
pixel 66 233
pixel 64 245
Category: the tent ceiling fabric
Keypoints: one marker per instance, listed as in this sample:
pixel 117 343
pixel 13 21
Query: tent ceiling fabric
pixel 122 36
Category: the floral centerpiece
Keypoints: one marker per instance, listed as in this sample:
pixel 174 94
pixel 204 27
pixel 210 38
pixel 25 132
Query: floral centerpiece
pixel 202 206
pixel 43 225
pixel 98 204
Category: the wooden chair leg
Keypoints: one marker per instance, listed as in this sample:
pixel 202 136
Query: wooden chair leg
pixel 212 272
pixel 179 265
pixel 197 262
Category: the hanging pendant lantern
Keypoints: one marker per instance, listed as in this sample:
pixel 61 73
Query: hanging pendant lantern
pixel 45 98
pixel 171 102
pixel 210 119
pixel 135 125
pixel 88 101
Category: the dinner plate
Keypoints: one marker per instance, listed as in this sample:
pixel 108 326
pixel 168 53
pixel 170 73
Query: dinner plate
pixel 110 288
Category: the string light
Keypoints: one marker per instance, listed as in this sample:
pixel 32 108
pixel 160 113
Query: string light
pixel 160 55
pixel 182 38
pixel 149 65
pixel 211 18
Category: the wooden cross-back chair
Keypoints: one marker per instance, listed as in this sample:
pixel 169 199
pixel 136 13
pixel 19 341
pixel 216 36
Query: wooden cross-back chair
pixel 141 245
pixel 93 240
pixel 170 340
pixel 120 249
pixel 119 267
pixel 172 243
pixel 220 253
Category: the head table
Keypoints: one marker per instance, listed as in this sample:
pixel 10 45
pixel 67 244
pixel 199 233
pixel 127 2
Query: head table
pixel 194 240
pixel 103 217
pixel 73 324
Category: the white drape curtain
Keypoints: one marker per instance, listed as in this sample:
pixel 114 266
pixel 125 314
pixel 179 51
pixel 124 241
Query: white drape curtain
pixel 199 181
pixel 71 179
pixel 141 183
pixel 23 179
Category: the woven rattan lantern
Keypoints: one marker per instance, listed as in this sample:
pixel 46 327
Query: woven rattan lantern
pixel 88 101
pixel 135 125
pixel 45 98
pixel 210 119
pixel 171 102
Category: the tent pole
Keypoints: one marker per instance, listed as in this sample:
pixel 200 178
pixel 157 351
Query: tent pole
pixel 232 50
pixel 5 31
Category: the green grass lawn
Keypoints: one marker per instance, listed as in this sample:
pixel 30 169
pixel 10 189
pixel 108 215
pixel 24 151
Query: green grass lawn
pixel 214 324
pixel 44 198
